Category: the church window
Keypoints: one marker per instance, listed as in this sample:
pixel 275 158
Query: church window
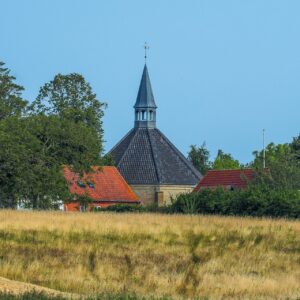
pixel 143 115
pixel 151 115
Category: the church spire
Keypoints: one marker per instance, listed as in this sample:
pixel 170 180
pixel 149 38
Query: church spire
pixel 145 107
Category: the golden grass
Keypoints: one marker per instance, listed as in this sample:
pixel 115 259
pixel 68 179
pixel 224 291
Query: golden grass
pixel 151 254
pixel 12 287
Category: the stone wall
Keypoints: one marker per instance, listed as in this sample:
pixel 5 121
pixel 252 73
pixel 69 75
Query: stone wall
pixel 159 194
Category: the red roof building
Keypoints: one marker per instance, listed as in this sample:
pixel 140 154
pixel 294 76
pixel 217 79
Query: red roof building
pixel 105 187
pixel 228 179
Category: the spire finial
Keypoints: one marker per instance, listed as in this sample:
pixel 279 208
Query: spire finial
pixel 146 47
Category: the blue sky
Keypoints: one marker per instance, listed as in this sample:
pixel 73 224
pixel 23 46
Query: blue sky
pixel 221 71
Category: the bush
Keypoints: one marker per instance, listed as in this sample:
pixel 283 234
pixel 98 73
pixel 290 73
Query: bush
pixel 254 201
pixel 121 208
pixel 136 208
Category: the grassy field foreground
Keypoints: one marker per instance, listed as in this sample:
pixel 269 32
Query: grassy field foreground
pixel 151 254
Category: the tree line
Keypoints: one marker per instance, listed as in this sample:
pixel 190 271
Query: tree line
pixel 62 126
pixel 282 162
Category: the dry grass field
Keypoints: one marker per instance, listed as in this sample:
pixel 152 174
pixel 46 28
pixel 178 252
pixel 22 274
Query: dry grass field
pixel 151 254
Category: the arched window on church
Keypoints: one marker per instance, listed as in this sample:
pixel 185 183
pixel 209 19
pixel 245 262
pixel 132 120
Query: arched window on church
pixel 136 115
pixel 151 115
pixel 143 115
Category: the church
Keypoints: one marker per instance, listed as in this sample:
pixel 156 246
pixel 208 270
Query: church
pixel 154 168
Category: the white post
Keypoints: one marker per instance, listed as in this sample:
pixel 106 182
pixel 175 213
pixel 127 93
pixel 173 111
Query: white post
pixel 264 150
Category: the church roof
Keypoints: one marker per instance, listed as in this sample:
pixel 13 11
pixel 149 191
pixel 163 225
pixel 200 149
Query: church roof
pixel 146 156
pixel 145 95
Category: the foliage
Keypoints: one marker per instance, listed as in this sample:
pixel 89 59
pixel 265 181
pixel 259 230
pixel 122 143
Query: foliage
pixel 120 208
pixel 295 146
pixel 136 208
pixel 199 157
pixel 11 102
pixel 64 127
pixel 224 161
pixel 107 160
pixel 283 166
pixel 70 97
pixel 255 201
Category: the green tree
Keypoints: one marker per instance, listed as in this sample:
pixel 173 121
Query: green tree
pixel 225 161
pixel 35 148
pixel 283 167
pixel 107 160
pixel 11 102
pixel 199 157
pixel 295 146
pixel 72 98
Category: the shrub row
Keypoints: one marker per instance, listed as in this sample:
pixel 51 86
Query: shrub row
pixel 254 201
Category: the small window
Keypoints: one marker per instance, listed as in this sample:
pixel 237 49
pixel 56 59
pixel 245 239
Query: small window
pixel 151 115
pixel 81 184
pixel 90 184
pixel 143 115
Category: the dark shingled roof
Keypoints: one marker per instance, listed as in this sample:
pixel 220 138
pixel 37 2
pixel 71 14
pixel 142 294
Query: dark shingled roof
pixel 146 156
pixel 145 95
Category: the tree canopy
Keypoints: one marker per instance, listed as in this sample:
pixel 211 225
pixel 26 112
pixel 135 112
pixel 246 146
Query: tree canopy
pixel 199 157
pixel 11 102
pixel 225 161
pixel 283 165
pixel 70 97
pixel 63 127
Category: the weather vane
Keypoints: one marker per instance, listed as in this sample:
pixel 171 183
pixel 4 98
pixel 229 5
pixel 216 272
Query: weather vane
pixel 146 47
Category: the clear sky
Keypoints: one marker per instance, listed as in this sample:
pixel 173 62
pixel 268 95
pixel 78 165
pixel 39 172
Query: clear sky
pixel 221 71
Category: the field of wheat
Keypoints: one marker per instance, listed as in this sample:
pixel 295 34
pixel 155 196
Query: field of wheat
pixel 152 255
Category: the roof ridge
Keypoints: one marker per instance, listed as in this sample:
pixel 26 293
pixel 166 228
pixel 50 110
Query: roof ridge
pixel 153 157
pixel 130 190
pixel 182 157
pixel 242 169
pixel 124 137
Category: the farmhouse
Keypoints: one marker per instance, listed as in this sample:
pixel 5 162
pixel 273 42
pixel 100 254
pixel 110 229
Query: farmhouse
pixel 149 162
pixel 227 179
pixel 105 187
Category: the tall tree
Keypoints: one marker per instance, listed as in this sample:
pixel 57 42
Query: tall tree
pixel 295 146
pixel 199 157
pixel 72 98
pixel 11 102
pixel 283 166
pixel 35 148
pixel 225 161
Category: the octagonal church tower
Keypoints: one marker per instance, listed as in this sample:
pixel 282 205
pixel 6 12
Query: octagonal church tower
pixel 154 168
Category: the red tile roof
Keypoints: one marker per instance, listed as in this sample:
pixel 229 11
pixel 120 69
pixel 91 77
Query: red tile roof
pixel 108 185
pixel 225 178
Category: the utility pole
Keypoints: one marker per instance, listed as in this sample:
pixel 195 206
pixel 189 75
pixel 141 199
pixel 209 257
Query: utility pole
pixel 264 150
